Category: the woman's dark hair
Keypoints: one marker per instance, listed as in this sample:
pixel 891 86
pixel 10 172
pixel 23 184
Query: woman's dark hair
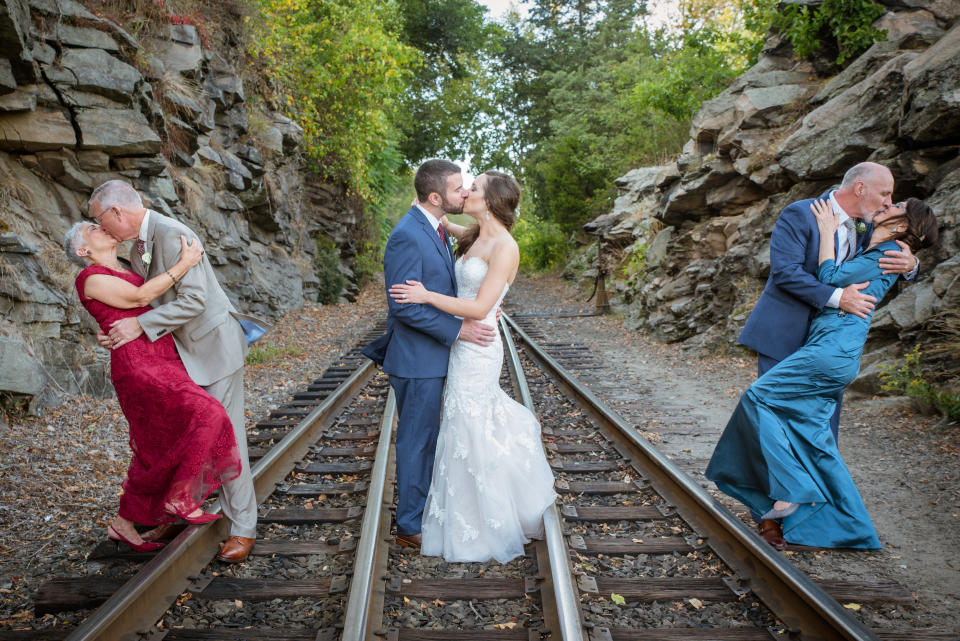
pixel 922 230
pixel 502 195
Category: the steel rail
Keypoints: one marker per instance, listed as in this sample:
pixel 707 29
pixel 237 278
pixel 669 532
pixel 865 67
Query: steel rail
pixel 796 600
pixel 564 590
pixel 361 616
pixel 142 600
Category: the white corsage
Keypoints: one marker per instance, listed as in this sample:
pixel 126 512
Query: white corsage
pixel 146 258
pixel 861 227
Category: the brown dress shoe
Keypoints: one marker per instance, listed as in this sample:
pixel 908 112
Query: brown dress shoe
pixel 771 533
pixel 409 541
pixel 164 532
pixel 235 549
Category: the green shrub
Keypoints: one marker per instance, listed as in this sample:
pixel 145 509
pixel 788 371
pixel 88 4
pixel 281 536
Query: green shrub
pixel 269 352
pixel 848 22
pixel 636 264
pixel 327 266
pixel 909 379
pixel 543 245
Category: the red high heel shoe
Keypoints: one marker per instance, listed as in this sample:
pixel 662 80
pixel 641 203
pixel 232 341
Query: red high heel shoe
pixel 146 546
pixel 202 518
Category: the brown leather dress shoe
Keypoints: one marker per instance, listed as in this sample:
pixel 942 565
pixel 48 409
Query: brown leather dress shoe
pixel 235 549
pixel 771 532
pixel 409 541
pixel 164 532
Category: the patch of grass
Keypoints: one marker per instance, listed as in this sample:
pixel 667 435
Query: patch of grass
pixel 269 352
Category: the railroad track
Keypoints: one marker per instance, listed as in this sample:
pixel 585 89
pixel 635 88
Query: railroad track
pixel 634 550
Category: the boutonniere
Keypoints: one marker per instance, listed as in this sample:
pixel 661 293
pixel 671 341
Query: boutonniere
pixel 861 227
pixel 146 258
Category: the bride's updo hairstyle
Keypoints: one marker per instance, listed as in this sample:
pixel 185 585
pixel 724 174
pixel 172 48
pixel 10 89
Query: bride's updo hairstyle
pixel 922 230
pixel 502 195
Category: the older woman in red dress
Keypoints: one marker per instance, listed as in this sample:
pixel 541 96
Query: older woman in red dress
pixel 181 437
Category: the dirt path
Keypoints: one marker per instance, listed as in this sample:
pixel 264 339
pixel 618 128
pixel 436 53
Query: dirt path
pixel 906 471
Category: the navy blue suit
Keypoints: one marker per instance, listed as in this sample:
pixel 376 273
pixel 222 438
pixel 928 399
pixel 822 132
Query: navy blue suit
pixel 414 352
pixel 778 324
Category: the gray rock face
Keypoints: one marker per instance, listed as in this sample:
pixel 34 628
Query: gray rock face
pixel 117 132
pixel 845 130
pixel 95 71
pixel 933 91
pixel 21 372
pixel 37 130
pixel 781 133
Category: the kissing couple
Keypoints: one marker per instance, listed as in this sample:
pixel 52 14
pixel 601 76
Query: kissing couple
pixel 473 481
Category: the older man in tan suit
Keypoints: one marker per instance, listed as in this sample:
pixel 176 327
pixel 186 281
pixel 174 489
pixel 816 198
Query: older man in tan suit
pixel 205 327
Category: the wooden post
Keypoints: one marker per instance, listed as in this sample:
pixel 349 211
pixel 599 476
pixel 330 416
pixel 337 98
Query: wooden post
pixel 603 303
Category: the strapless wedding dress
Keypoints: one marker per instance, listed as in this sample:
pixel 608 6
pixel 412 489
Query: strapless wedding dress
pixel 491 480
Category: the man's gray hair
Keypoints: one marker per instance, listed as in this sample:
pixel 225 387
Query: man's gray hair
pixel 114 193
pixel 863 171
pixel 72 241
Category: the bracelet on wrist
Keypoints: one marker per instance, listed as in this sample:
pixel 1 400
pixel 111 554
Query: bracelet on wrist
pixel 167 272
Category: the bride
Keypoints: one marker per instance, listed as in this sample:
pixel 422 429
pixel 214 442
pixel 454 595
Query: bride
pixel 491 480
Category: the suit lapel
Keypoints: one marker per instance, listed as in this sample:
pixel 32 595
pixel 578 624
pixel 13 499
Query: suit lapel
pixel 445 252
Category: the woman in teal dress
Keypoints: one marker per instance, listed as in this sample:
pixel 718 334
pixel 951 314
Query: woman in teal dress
pixel 777 454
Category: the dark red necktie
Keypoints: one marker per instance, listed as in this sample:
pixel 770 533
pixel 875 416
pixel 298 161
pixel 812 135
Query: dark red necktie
pixel 141 247
pixel 443 235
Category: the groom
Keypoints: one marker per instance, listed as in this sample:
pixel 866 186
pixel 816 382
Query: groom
pixel 415 349
pixel 205 327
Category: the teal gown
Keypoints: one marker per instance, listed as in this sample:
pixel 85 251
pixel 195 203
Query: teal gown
pixel 778 444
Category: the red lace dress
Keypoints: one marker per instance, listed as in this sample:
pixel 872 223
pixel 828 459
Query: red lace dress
pixel 182 439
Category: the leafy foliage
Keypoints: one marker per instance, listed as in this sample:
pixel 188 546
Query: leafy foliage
pixel 581 91
pixel 909 379
pixel 339 68
pixel 845 26
pixel 542 244
pixel 327 265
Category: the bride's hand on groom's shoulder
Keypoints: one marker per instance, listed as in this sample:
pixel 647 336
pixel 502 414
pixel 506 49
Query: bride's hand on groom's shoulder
pixel 826 218
pixel 411 292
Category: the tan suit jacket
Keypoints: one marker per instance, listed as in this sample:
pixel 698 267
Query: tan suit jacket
pixel 196 310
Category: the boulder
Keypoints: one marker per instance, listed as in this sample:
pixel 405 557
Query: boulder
pixel 95 71
pixel 117 132
pixel 85 37
pixel 908 310
pixel 178 56
pixel 93 161
pixel 764 107
pixel 21 372
pixel 62 166
pixel 845 130
pixel 145 165
pixel 932 107
pixel 36 130
pixel 945 10
pixel 23 99
pixel 14 29
pixel 63 9
pixel 8 84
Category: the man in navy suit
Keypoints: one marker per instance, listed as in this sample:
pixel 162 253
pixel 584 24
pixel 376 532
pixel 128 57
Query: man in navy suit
pixel 415 349
pixel 792 296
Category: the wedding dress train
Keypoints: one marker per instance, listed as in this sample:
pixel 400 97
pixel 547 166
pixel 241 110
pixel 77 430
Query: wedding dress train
pixel 491 480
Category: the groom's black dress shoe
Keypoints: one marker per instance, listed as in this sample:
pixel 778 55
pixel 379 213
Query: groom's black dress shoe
pixel 409 541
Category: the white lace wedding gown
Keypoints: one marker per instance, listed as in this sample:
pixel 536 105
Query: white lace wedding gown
pixel 491 480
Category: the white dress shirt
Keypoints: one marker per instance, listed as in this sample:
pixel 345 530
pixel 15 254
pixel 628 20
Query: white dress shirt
pixel 143 225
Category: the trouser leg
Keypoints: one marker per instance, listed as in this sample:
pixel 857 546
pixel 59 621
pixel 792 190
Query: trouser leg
pixel 418 424
pixel 238 499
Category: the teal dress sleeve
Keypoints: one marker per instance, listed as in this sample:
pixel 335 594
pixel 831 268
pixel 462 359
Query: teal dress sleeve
pixel 863 268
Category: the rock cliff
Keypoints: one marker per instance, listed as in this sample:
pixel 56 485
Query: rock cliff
pixel 698 228
pixel 82 101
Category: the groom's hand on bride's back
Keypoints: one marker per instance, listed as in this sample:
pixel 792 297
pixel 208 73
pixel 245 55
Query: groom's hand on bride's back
pixel 476 332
